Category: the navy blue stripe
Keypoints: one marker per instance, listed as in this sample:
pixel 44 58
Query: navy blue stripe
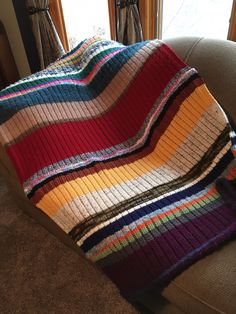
pixel 68 92
pixel 117 225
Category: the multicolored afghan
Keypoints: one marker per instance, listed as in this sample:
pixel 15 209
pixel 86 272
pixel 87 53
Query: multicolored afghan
pixel 122 147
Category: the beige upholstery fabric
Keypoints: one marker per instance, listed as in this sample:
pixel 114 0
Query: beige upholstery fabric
pixel 209 286
pixel 156 303
pixel 216 62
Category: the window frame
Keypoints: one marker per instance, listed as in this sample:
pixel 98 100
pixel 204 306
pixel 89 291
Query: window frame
pixel 148 16
pixel 151 16
pixel 232 23
pixel 112 18
pixel 56 13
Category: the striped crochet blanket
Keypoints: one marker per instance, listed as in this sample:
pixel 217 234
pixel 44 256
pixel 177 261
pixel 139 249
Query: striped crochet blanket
pixel 122 147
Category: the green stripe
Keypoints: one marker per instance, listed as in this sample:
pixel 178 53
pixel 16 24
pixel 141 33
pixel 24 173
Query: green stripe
pixel 153 225
pixel 83 227
pixel 52 78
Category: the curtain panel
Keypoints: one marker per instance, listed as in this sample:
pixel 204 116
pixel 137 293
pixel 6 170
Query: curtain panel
pixel 129 29
pixel 48 43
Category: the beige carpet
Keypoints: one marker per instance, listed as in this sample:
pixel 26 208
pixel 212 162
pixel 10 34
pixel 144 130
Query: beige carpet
pixel 39 274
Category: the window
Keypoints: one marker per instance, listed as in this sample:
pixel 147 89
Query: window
pixel 159 18
pixel 207 18
pixel 85 19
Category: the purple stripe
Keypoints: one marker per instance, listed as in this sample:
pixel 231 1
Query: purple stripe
pixel 165 258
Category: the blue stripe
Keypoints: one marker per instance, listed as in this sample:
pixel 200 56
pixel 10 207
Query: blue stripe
pixel 68 92
pixel 117 225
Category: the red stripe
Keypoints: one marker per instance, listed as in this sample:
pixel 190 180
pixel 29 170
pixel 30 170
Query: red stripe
pixel 57 142
pixel 123 160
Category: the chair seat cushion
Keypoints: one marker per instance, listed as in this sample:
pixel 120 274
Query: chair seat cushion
pixel 208 286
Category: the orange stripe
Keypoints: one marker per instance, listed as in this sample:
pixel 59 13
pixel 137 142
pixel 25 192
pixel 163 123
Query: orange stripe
pixel 50 205
pixel 211 192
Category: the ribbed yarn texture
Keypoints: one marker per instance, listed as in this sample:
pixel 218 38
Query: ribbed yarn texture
pixel 121 147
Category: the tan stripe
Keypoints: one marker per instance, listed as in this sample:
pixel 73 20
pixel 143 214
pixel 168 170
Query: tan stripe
pixel 33 117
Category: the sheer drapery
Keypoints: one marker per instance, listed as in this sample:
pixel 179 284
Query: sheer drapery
pixel 129 29
pixel 48 43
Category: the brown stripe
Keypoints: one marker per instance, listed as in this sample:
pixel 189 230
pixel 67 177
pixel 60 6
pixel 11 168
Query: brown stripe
pixel 93 220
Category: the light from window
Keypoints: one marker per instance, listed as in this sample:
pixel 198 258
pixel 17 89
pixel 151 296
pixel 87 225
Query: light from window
pixel 203 18
pixel 85 18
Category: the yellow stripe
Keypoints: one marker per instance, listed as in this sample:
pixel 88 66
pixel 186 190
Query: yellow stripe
pixel 192 107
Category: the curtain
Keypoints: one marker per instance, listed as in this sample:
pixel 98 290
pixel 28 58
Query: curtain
pixel 129 29
pixel 47 40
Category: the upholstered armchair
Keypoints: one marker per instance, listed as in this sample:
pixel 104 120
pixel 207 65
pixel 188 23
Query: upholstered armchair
pixel 40 274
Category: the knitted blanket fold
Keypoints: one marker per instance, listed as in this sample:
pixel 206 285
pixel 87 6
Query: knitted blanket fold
pixel 122 148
